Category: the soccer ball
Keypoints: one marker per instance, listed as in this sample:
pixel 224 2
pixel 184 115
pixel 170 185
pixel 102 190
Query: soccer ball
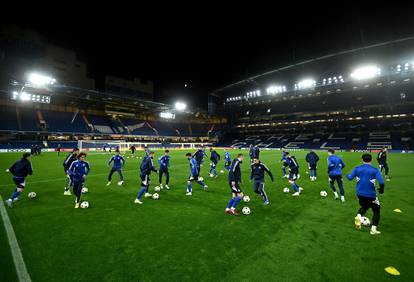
pixel 200 179
pixel 31 195
pixel 157 188
pixel 85 190
pixel 221 171
pixel 120 183
pixel 286 190
pixel 365 221
pixel 211 175
pixel 323 193
pixel 84 205
pixel 246 210
pixel 155 196
pixel 246 199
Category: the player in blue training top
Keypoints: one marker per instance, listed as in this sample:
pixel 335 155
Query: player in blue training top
pixel 199 155
pixel 312 159
pixel 257 173
pixel 20 170
pixel 79 170
pixel 293 174
pixel 227 159
pixel 66 165
pixel 194 174
pixel 118 164
pixel 285 163
pixel 335 167
pixel 214 158
pixel 164 162
pixel 234 183
pixel 146 167
pixel 366 175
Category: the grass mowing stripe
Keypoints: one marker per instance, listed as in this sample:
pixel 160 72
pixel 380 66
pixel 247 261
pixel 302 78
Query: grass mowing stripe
pixel 21 269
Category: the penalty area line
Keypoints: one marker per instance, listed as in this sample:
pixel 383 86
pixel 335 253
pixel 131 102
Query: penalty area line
pixel 21 270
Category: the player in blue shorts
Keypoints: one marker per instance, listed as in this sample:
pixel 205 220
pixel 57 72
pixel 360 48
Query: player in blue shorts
pixel 227 159
pixel 293 174
pixel 20 170
pixel 214 158
pixel 79 170
pixel 118 164
pixel 335 167
pixel 234 183
pixel 164 162
pixel 194 174
pixel 285 163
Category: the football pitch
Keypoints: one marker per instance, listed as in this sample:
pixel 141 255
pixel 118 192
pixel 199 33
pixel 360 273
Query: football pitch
pixel 180 238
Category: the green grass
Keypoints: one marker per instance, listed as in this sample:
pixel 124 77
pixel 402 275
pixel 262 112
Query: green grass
pixel 178 238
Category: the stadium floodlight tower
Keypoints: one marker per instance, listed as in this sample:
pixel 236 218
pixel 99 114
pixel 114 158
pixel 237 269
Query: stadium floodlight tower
pixel 365 72
pixel 180 106
pixel 40 80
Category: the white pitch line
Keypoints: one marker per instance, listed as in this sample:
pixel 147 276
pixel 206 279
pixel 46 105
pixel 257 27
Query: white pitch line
pixel 21 269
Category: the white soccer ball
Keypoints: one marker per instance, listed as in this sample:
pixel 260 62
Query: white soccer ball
pixel 200 179
pixel 85 190
pixel 246 210
pixel 246 199
pixel 211 175
pixel 32 195
pixel 155 196
pixel 157 188
pixel 365 221
pixel 221 171
pixel 323 193
pixel 84 205
pixel 286 190
pixel 120 183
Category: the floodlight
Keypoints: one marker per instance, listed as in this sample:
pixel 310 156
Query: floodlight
pixel 41 80
pixel 306 83
pixel 365 72
pixel 180 106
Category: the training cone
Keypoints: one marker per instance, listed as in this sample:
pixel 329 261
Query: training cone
pixel 398 210
pixel 392 270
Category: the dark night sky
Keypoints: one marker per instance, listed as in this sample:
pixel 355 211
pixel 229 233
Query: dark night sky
pixel 209 47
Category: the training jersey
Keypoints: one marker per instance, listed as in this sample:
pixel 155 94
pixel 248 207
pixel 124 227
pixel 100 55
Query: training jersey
pixel 235 171
pixel 366 176
pixel 118 161
pixel 164 161
pixel 78 169
pixel 335 165
pixel 258 170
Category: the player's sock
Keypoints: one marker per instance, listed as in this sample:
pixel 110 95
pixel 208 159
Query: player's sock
pixel 343 199
pixel 141 192
pixel 15 194
pixel 189 187
pixel 295 187
pixel 230 204
pixel 314 173
pixel 284 170
pixel 201 183
pixel 336 195
pixel 341 187
pixel 236 201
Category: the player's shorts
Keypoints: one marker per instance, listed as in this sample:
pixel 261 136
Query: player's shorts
pixel 368 201
pixel 293 174
pixel 213 163
pixel 285 163
pixel 313 166
pixel 193 178
pixel 145 180
pixel 19 181
pixel 236 188
pixel 333 178
pixel 163 169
